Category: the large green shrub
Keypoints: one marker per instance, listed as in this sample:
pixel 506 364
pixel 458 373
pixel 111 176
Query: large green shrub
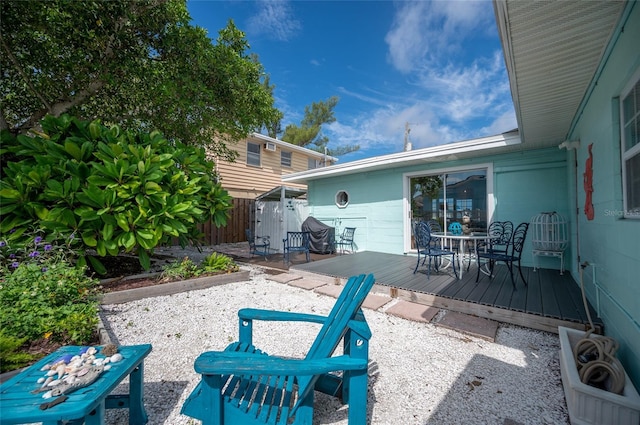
pixel 55 302
pixel 116 191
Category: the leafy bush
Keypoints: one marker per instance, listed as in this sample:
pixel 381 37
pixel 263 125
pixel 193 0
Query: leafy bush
pixel 219 262
pixel 43 297
pixel 55 302
pixel 186 268
pixel 116 191
pixel 35 247
pixel 11 354
pixel 180 270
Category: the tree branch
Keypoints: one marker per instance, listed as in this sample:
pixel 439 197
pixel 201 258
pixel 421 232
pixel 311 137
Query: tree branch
pixel 24 76
pixel 61 107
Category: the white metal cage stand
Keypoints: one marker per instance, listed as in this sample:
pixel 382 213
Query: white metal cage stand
pixel 550 237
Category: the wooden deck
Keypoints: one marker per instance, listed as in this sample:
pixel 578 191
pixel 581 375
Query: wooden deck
pixel 548 301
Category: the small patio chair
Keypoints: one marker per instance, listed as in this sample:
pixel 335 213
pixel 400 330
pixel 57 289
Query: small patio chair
pixel 499 233
pixel 510 256
pixel 428 249
pixel 444 243
pixel 296 242
pixel 258 245
pixel 346 239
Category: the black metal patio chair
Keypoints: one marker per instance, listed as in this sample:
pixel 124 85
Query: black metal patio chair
pixel 296 242
pixel 500 233
pixel 512 254
pixel 346 239
pixel 258 245
pixel 444 243
pixel 428 249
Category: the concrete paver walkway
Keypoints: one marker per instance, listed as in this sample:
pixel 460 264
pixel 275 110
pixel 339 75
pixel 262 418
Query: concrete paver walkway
pixel 278 272
pixel 471 325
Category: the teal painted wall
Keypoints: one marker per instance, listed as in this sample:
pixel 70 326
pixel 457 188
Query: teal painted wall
pixel 528 184
pixel 609 242
pixel 525 184
pixel 374 209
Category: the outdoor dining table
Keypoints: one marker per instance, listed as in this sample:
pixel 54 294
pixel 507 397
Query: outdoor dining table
pixel 463 238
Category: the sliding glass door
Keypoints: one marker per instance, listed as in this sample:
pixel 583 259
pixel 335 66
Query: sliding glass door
pixel 449 196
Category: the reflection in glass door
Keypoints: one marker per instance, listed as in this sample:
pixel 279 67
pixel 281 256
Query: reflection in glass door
pixel 448 197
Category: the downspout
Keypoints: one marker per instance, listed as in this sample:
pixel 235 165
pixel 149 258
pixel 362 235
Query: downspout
pixel 577 206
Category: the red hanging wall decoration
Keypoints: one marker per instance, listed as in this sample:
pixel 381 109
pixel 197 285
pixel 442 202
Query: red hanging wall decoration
pixel 588 185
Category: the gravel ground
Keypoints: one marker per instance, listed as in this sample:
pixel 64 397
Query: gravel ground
pixel 419 373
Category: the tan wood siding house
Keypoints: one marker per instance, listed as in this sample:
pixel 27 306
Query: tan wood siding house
pixel 261 163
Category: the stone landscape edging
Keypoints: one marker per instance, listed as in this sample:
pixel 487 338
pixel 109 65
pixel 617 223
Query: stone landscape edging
pixel 171 288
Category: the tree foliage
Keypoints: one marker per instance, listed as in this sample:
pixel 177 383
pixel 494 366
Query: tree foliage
pixel 274 125
pixel 309 135
pixel 138 64
pixel 117 191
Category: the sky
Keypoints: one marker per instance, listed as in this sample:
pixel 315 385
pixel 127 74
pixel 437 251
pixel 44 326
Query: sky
pixel 436 65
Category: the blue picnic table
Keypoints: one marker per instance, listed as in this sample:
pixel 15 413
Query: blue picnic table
pixel 84 405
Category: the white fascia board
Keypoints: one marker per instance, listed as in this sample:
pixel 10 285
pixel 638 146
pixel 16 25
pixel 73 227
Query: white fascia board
pixel 504 31
pixel 293 147
pixel 407 158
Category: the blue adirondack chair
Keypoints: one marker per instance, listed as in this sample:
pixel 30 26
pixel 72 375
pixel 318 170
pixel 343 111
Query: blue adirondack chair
pixel 244 385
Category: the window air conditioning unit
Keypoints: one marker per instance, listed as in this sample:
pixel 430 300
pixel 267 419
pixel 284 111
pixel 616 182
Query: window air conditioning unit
pixel 270 146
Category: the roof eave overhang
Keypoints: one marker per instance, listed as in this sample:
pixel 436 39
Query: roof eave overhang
pixel 502 22
pixel 427 155
pixel 281 192
pixel 293 147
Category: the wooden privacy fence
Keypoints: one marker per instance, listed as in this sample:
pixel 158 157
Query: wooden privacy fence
pixel 241 218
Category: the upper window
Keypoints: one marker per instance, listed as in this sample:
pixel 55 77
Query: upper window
pixel 285 159
pixel 253 154
pixel 314 163
pixel 630 147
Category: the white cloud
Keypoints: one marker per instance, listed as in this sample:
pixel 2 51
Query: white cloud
pixel 503 122
pixel 425 32
pixel 385 128
pixel 455 91
pixel 274 19
pixel 465 92
pixel 407 38
pixel 454 94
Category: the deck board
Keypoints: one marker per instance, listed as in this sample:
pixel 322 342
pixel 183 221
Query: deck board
pixel 549 299
pixel 566 302
pixel 534 297
pixel 491 295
